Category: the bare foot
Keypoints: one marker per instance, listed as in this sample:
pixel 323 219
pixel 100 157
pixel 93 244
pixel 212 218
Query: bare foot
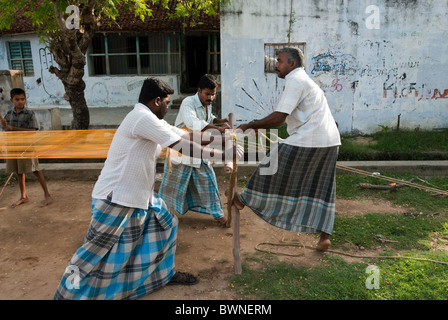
pixel 323 245
pixel 236 201
pixel 222 221
pixel 19 202
pixel 48 200
pixel 324 242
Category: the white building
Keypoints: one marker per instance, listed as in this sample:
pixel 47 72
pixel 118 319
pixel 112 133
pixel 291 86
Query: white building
pixel 375 60
pixel 119 58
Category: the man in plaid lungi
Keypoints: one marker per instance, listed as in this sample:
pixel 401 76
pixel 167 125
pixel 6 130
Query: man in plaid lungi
pixel 130 245
pixel 192 183
pixel 300 195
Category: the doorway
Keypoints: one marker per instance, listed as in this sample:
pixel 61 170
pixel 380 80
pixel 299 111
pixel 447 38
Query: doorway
pixel 196 48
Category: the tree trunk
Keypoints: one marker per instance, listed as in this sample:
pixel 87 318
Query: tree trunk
pixel 74 93
pixel 76 97
pixel 69 49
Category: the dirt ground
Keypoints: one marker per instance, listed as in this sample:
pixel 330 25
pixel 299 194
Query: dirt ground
pixel 36 242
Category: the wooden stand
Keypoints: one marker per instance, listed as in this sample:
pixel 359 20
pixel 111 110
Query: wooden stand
pixel 232 212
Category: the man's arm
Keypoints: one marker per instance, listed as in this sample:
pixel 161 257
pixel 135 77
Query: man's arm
pixel 222 124
pixel 8 127
pixel 275 119
pixel 189 147
pixel 11 128
pixel 198 137
pixel 220 128
pixel 3 121
pixel 187 113
pixel 220 121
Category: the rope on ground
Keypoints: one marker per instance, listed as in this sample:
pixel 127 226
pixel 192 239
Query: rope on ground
pixel 336 252
pixel 6 183
pixel 401 182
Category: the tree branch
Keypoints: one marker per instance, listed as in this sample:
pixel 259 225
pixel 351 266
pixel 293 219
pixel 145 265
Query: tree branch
pixel 68 36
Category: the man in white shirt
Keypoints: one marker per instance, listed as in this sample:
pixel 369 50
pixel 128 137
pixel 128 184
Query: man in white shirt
pixel 195 112
pixel 301 195
pixel 130 245
pixel 192 184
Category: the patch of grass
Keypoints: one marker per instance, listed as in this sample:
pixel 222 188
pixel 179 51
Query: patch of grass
pixel 399 279
pixel 282 281
pixel 421 201
pixel 411 233
pixel 404 279
pixel 408 232
pixel 351 151
pixel 397 145
pixel 411 141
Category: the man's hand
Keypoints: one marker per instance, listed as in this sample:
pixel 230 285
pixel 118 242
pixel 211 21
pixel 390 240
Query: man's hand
pixel 5 124
pixel 223 127
pixel 238 151
pixel 275 119
pixel 243 127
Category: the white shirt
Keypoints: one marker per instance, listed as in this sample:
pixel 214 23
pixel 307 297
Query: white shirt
pixel 310 122
pixel 129 170
pixel 192 115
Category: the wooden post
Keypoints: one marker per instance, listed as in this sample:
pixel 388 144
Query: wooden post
pixel 233 212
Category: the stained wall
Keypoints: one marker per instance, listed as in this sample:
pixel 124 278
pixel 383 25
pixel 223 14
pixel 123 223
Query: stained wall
pixel 375 60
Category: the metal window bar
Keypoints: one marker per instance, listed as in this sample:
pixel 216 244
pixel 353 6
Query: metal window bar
pixel 271 52
pixel 160 62
pixel 20 57
pixel 214 55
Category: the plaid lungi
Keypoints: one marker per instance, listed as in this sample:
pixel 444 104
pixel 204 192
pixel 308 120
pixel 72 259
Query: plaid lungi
pixel 300 195
pixel 127 253
pixel 188 188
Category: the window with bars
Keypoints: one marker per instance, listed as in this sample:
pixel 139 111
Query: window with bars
pixel 115 54
pixel 20 57
pixel 214 54
pixel 271 52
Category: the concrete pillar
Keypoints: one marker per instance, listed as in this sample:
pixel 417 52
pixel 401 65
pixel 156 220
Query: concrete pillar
pixel 49 119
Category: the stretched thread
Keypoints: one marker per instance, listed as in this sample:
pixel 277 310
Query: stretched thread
pixel 59 144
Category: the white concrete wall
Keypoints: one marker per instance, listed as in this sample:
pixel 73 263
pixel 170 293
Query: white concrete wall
pixel 45 90
pixel 370 75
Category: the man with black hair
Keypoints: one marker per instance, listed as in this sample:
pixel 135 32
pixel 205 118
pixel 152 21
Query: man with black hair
pixel 20 118
pixel 300 196
pixel 192 183
pixel 130 245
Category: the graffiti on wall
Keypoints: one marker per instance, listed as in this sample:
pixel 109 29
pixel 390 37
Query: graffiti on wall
pixel 46 81
pixel 255 103
pixel 418 92
pixel 334 62
pixel 335 71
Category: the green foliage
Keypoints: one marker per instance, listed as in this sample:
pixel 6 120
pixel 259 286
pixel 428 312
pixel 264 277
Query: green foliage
pixel 42 13
pixel 69 45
